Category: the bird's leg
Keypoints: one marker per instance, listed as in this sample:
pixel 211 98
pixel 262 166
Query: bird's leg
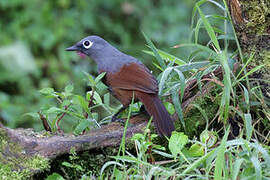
pixel 114 118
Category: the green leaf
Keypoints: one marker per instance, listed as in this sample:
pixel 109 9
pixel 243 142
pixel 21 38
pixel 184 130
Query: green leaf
pixel 208 138
pixel 91 80
pixel 167 57
pixel 32 114
pixel 177 142
pixel 155 51
pixel 54 110
pixel 198 162
pixel 163 78
pixel 248 125
pixel 69 88
pixel 67 164
pixel 192 66
pixel 220 160
pixel 236 168
pixel 55 176
pixel 107 97
pixel 209 29
pixel 196 150
pixel 96 97
pixel 170 108
pixel 47 91
pixel 177 105
pixel 182 82
pixel 84 123
pixel 99 77
pixel 82 102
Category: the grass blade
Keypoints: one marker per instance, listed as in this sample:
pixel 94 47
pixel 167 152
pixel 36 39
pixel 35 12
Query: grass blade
pixel 155 51
pixel 219 165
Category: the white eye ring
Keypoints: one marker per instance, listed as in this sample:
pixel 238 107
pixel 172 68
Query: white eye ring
pixel 87 44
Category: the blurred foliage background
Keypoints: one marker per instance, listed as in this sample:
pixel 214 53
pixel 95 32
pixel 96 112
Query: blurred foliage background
pixel 35 33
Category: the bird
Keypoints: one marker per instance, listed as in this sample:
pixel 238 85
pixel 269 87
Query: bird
pixel 126 77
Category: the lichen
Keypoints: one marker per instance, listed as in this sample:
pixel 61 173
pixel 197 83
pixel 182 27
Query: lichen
pixel 15 164
pixel 256 13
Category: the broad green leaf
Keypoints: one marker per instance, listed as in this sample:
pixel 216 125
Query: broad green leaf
pixel 177 142
pixel 54 110
pixel 69 88
pixel 170 108
pixel 84 123
pixel 82 102
pixel 55 176
pixel 208 138
pixel 196 150
pixel 47 91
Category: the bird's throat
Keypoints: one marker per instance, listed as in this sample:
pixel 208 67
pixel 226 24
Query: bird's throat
pixel 82 55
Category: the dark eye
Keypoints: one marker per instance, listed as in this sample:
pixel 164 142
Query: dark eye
pixel 87 44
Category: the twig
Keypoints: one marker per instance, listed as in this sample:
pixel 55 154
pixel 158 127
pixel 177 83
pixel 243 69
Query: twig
pixel 61 117
pixel 44 122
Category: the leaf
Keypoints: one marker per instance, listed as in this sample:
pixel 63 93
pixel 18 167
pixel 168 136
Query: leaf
pixel 196 150
pixel 82 102
pixel 90 79
pixel 198 162
pixel 32 114
pixel 182 82
pixel 69 88
pixel 67 164
pixel 163 79
pixel 54 110
pixel 47 91
pixel 209 29
pixel 84 123
pixel 220 160
pixel 192 66
pixel 96 97
pixel 99 77
pixel 177 142
pixel 109 163
pixel 236 168
pixel 167 57
pixel 55 176
pixel 107 99
pixel 248 125
pixel 177 105
pixel 155 51
pixel 208 138
pixel 170 108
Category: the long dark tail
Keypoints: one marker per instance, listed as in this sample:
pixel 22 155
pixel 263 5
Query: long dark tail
pixel 155 108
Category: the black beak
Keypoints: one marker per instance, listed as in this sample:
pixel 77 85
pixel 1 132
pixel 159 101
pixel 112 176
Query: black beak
pixel 73 48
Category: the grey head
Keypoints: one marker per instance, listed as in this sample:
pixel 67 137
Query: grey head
pixel 107 57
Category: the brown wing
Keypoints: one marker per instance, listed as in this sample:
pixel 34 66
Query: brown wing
pixel 133 76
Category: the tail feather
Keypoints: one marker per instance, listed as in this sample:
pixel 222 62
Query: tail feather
pixel 155 108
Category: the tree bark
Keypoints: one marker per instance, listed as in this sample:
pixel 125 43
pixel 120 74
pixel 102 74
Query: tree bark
pixel 252 24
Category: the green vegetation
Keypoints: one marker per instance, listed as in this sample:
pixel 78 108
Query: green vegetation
pixel 223 134
pixel 15 164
